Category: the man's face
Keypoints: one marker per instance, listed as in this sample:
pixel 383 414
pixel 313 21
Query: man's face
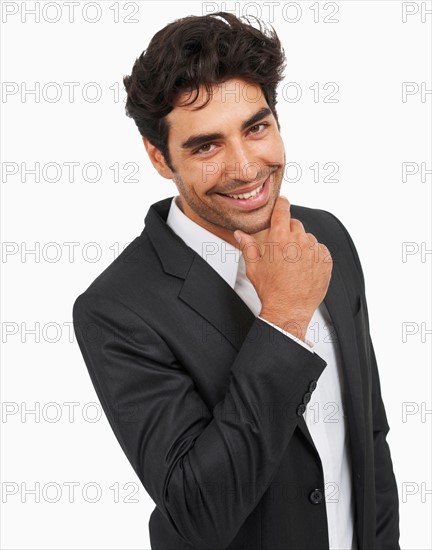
pixel 230 144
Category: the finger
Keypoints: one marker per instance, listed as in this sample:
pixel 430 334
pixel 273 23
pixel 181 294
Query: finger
pixel 312 238
pixel 281 214
pixel 296 226
pixel 326 253
pixel 248 245
pixel 324 248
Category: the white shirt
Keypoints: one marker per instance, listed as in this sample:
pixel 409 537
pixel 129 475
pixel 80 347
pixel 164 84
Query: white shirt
pixel 324 415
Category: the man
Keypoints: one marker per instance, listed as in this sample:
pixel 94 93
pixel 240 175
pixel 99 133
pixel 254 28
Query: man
pixel 206 338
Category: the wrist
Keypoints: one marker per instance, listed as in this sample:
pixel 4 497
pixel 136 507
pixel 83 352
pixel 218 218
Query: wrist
pixel 295 323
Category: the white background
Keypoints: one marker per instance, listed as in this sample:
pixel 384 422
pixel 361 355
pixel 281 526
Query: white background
pixel 369 52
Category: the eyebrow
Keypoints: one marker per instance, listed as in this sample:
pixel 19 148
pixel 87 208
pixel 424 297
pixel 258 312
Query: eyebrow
pixel 200 139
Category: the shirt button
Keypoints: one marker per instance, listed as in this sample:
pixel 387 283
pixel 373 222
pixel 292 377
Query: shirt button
pixel 312 385
pixel 301 409
pixel 307 397
pixel 316 496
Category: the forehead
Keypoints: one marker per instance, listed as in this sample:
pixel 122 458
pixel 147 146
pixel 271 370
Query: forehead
pixel 231 102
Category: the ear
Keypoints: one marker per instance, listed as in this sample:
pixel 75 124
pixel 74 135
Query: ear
pixel 157 159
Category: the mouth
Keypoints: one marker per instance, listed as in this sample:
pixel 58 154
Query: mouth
pixel 253 199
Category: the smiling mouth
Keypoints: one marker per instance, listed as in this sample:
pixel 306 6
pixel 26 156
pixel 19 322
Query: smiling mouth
pixel 247 194
pixel 252 200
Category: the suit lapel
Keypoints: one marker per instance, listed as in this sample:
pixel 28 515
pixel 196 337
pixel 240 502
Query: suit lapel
pixel 212 298
pixel 339 309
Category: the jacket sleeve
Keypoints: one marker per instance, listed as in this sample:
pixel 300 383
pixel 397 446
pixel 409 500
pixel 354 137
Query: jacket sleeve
pixel 386 493
pixel 205 469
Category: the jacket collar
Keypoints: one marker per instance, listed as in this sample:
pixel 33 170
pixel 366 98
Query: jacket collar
pixel 203 288
pixel 175 256
pixel 222 256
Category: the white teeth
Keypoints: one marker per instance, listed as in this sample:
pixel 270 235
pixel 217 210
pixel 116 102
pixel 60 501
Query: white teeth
pixel 247 195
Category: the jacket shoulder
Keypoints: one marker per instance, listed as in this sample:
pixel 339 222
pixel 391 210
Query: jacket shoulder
pixel 122 279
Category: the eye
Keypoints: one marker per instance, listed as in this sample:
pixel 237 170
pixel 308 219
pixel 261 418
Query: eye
pixel 258 128
pixel 203 149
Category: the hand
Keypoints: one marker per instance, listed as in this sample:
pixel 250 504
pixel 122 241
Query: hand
pixel 289 269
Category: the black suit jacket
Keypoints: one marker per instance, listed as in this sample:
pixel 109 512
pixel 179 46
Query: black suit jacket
pixel 204 398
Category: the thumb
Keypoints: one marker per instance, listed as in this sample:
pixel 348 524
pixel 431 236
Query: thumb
pixel 245 240
pixel 241 237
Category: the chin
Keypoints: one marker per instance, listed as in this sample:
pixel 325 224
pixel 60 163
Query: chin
pixel 260 228
pixel 255 227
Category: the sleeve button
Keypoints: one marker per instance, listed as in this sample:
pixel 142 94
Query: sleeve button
pixel 301 409
pixel 312 385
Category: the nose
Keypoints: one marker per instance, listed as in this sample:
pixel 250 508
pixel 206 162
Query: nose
pixel 240 163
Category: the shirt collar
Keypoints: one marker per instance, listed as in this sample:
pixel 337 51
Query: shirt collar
pixel 222 256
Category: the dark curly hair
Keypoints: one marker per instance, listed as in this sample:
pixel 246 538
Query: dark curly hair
pixel 197 51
